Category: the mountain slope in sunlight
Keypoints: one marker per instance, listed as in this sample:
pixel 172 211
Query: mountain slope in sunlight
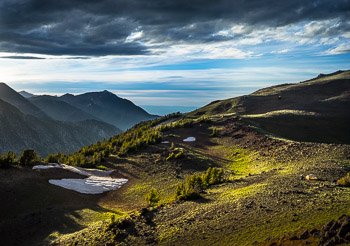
pixel 316 110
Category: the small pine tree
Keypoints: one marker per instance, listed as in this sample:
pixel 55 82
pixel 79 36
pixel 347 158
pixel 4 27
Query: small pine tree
pixel 220 176
pixel 52 158
pixel 152 197
pixel 345 181
pixel 11 158
pixel 179 192
pixel 206 179
pixel 28 157
pixel 214 132
pixel 7 160
pixel 171 156
pixel 179 155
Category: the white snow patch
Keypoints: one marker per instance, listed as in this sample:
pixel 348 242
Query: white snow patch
pixel 90 185
pixel 97 181
pixel 51 165
pixel 87 172
pixel 189 139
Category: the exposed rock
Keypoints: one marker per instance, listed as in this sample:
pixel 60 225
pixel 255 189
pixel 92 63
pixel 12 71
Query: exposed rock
pixel 305 235
pixel 336 231
pixel 294 238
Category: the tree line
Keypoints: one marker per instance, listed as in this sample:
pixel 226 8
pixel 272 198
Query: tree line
pixel 27 158
pixel 135 139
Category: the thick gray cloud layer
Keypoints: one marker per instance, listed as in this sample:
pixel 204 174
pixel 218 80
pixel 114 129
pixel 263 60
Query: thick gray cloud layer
pixel 103 27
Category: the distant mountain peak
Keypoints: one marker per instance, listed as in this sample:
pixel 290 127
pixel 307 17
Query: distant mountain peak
pixel 2 84
pixel 26 94
pixel 105 105
pixel 68 95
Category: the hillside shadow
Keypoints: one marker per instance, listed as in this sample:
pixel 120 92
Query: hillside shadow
pixel 24 228
pixel 31 209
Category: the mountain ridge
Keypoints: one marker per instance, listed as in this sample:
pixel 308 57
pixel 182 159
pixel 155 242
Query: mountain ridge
pixel 60 110
pixel 107 106
pixel 20 131
pixel 266 196
pixel 14 98
pixel 26 94
pixel 312 110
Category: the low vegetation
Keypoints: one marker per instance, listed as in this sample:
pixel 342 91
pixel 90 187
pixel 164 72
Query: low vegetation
pixel 184 123
pixel 152 197
pixel 345 181
pixel 196 183
pixel 8 160
pixel 131 141
pixel 214 132
pixel 28 158
pixel 177 153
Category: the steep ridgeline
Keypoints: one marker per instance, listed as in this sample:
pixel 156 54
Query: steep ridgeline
pixel 317 110
pixel 20 131
pixel 11 96
pixel 110 108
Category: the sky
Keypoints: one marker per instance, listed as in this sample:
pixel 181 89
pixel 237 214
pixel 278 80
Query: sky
pixel 170 53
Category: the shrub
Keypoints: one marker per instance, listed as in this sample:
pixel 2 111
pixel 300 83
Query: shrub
pixel 189 191
pixel 112 223
pixel 179 155
pixel 52 158
pixel 152 198
pixel 196 183
pixel 7 160
pixel 101 167
pixel 28 157
pixel 345 181
pixel 164 128
pixel 97 158
pixel 171 156
pixel 204 119
pixel 179 191
pixel 214 132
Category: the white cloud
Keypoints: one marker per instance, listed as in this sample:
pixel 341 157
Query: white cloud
pixel 329 41
pixel 134 36
pixel 343 48
pixel 346 35
pixel 280 51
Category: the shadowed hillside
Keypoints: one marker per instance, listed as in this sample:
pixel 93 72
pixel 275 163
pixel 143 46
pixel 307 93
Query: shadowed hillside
pixel 60 110
pixel 316 110
pixel 20 131
pixel 107 106
pixel 11 96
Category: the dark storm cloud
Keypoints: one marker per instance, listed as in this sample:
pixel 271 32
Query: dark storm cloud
pixel 21 57
pixel 101 27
